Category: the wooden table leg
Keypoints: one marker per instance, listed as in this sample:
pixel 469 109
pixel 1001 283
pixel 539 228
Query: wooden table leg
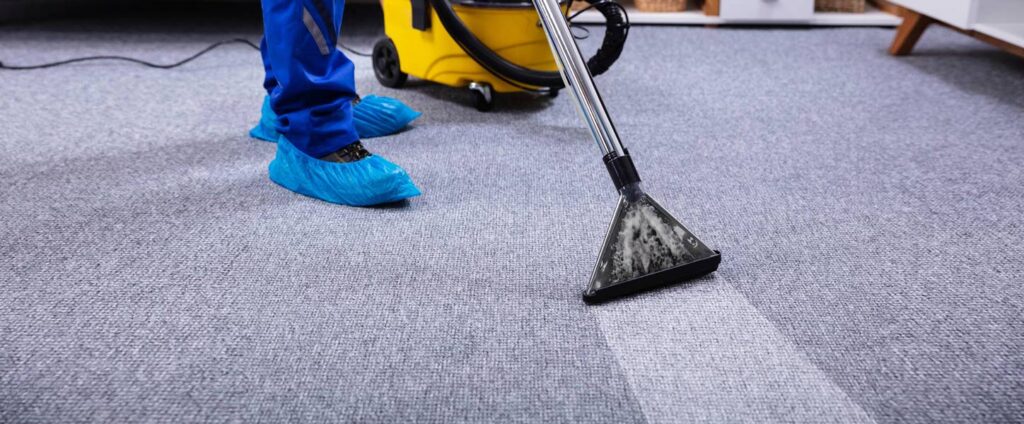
pixel 909 32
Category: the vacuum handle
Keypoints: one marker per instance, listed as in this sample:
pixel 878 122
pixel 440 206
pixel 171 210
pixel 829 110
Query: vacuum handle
pixel 577 77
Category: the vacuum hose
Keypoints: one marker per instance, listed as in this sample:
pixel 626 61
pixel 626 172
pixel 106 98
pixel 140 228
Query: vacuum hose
pixel 616 29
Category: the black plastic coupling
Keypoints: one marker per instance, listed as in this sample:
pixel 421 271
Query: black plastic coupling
pixel 621 169
pixel 421 15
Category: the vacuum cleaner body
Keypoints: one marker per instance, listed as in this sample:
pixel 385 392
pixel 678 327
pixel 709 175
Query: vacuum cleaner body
pixel 427 51
pixel 488 46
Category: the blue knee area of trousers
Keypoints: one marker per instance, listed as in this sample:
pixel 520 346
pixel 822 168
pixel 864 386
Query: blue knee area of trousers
pixel 377 116
pixel 374 116
pixel 266 129
pixel 370 181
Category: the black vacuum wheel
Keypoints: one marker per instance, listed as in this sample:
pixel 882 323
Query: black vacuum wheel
pixel 386 65
pixel 483 96
pixel 481 102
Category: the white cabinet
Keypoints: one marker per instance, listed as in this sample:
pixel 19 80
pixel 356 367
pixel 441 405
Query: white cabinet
pixel 781 11
pixel 959 13
pixel 1000 22
pixel 1002 19
pixel 969 14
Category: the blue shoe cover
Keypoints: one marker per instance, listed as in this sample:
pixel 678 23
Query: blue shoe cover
pixel 369 181
pixel 373 116
pixel 266 129
pixel 377 116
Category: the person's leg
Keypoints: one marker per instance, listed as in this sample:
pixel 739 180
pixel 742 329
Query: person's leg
pixel 315 80
pixel 269 81
pixel 312 85
pixel 376 117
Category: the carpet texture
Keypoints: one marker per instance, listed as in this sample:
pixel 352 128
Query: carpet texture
pixel 868 209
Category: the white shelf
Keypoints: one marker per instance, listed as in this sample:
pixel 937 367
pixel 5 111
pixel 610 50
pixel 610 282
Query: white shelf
pixel 1012 33
pixel 871 17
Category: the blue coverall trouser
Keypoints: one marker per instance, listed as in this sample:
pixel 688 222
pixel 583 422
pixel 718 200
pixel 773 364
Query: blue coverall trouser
pixel 311 83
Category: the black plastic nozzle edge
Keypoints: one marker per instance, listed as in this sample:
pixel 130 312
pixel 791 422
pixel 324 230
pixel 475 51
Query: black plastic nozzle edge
pixel 621 169
pixel 666 277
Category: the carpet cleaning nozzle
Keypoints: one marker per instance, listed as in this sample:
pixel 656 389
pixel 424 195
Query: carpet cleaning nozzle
pixel 646 246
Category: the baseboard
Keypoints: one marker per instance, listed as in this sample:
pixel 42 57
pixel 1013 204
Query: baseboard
pixel 21 10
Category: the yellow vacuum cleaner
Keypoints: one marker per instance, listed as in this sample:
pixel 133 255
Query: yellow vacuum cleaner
pixel 487 46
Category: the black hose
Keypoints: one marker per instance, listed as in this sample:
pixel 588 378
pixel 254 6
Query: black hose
pixel 616 30
pixel 611 46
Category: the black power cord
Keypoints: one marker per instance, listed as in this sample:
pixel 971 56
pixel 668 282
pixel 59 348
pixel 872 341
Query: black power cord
pixel 353 51
pixel 622 25
pixel 211 47
pixel 132 59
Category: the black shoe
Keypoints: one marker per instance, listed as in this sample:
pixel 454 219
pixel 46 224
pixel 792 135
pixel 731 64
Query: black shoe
pixel 350 153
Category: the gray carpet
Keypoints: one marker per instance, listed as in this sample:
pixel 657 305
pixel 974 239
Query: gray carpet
pixel 868 209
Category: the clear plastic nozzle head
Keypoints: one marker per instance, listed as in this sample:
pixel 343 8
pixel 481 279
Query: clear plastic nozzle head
pixel 644 240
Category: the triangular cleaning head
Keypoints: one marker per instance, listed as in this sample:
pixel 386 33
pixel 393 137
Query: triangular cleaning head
pixel 646 247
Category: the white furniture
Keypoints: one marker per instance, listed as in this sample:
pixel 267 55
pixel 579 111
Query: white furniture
pixel 779 11
pixel 753 12
pixel 1000 22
